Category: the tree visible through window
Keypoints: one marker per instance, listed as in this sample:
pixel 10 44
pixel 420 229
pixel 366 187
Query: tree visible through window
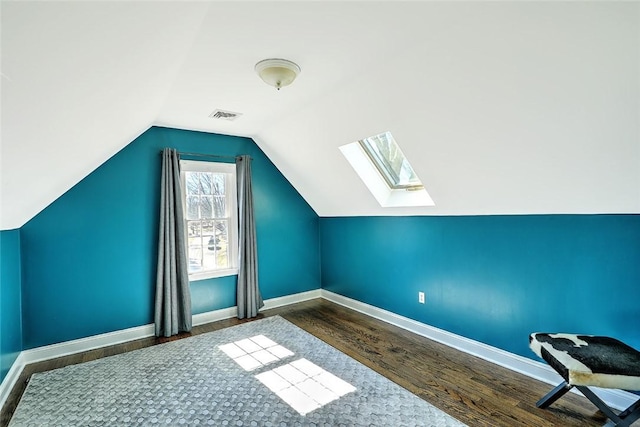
pixel 210 211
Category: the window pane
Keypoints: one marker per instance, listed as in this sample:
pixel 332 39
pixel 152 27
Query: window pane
pixel 219 184
pixel 192 182
pixel 205 183
pixel 389 159
pixel 208 231
pixel 217 253
pixel 222 235
pixel 195 245
pixel 193 228
pixel 192 207
pixel 207 228
pixel 222 228
pixel 206 207
pixel 220 206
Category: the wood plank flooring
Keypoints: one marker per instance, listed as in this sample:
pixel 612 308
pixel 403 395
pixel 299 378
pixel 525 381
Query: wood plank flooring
pixel 474 391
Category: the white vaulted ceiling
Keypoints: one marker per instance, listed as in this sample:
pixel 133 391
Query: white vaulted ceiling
pixel 501 107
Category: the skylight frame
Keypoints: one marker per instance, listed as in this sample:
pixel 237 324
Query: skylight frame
pixel 383 164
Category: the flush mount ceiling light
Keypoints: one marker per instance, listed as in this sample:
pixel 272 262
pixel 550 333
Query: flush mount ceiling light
pixel 277 72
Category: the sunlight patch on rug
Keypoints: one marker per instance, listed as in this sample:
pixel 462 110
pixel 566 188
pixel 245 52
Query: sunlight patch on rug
pixel 252 353
pixel 304 385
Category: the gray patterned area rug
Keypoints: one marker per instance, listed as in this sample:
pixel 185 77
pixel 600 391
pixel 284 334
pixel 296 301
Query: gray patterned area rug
pixel 263 373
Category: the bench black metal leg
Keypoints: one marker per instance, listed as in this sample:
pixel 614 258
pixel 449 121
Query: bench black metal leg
pixel 633 409
pixel 554 395
pixel 600 404
pixel 624 419
pixel 628 416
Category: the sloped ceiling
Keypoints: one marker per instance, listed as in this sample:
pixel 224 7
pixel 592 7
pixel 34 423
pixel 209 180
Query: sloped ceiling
pixel 501 107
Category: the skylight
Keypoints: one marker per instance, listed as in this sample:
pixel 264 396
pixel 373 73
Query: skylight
pixel 388 158
pixel 380 163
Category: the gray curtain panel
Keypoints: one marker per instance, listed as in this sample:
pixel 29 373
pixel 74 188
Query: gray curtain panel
pixel 173 296
pixel 249 300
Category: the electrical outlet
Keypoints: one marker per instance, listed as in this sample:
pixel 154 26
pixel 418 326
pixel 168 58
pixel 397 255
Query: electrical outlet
pixel 421 297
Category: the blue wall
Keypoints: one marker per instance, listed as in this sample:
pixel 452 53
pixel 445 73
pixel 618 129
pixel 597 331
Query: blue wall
pixel 493 279
pixel 89 258
pixel 10 312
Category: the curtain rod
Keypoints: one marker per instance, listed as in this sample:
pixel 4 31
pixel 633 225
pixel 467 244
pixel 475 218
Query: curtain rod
pixel 211 156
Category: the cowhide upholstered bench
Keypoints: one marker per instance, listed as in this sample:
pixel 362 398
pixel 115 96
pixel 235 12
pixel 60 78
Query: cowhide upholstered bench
pixel 590 361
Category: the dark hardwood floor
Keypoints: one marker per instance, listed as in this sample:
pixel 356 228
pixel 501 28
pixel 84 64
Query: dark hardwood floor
pixel 472 390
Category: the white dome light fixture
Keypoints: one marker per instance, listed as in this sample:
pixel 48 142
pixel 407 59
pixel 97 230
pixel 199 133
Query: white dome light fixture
pixel 277 72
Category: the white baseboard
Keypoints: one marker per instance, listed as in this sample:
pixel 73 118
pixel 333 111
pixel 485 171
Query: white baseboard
pixel 537 370
pixel 66 348
pixel 227 313
pixel 11 379
pixel 615 398
pixel 111 338
pixel 214 316
pixel 292 299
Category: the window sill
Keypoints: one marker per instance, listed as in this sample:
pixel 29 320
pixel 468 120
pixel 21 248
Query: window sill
pixel 203 275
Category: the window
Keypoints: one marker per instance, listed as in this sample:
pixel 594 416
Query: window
pixel 386 172
pixel 210 206
pixel 386 156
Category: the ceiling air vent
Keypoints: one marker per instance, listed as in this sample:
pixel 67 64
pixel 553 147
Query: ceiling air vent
pixel 224 115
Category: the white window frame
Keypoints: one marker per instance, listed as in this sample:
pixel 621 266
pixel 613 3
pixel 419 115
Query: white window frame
pixel 229 169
